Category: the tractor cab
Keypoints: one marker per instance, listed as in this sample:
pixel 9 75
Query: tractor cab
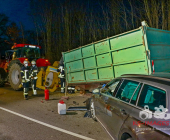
pixel 31 52
pixel 9 54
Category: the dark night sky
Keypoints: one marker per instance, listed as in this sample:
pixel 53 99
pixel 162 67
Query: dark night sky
pixel 17 11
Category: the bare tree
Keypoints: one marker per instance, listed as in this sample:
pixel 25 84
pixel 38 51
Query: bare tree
pixel 164 20
pixel 148 12
pixel 168 14
pixel 132 12
pixel 22 32
pixel 13 32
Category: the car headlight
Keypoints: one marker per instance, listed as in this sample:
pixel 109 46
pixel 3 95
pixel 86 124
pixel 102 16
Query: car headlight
pixel 96 91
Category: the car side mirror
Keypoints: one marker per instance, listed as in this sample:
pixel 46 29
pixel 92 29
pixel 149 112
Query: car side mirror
pixel 96 91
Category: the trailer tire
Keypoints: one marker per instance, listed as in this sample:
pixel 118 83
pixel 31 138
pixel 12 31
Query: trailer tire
pixel 15 76
pixel 3 76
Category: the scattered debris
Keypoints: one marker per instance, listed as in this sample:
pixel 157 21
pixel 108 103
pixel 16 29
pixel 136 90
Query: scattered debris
pixel 77 108
pixel 87 114
pixel 82 92
pixel 64 97
pixel 74 102
pixel 85 101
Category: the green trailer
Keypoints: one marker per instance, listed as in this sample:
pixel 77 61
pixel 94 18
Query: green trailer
pixel 140 51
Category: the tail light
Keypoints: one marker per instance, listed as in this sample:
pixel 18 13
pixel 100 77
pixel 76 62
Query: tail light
pixel 153 67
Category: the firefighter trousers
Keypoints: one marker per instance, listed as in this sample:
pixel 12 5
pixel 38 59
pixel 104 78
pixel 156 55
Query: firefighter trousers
pixel 62 85
pixel 26 89
pixel 33 85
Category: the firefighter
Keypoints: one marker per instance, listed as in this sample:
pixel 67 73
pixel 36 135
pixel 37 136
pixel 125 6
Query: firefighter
pixel 25 79
pixel 33 76
pixel 62 77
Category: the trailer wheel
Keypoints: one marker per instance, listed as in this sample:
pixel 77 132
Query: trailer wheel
pixel 15 76
pixel 3 76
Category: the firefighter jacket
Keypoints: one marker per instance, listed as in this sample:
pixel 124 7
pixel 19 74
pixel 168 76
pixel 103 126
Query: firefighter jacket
pixel 25 74
pixel 62 73
pixel 34 72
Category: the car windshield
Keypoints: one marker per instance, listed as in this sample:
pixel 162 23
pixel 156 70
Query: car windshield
pixel 110 87
pixel 9 54
pixel 28 52
pixel 113 86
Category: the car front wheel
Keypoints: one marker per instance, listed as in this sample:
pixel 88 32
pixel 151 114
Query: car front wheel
pixel 126 136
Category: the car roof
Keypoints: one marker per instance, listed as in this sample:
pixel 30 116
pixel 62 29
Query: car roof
pixel 162 78
pixel 159 76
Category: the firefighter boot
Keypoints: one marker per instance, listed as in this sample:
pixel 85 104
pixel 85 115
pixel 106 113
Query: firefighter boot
pixel 26 97
pixel 25 94
pixel 62 90
pixel 34 92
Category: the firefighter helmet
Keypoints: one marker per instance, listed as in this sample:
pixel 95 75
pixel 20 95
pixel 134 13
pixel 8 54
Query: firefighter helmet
pixel 33 62
pixel 60 68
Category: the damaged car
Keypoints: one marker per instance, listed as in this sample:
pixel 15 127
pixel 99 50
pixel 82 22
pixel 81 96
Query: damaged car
pixel 134 107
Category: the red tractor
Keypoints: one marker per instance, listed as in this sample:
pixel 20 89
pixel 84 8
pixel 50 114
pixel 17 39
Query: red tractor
pixel 10 69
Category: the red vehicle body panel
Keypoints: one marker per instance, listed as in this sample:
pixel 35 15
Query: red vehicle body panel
pixel 22 59
pixel 2 63
pixel 23 45
pixel 42 62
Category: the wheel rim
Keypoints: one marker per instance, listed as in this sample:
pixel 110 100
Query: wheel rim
pixel 92 110
pixel 49 79
pixel 15 76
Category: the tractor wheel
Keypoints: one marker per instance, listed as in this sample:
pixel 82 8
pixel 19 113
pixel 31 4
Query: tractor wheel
pixel 15 76
pixel 3 76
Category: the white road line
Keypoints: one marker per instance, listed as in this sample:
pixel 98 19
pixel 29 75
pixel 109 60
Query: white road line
pixel 48 125
pixel 105 128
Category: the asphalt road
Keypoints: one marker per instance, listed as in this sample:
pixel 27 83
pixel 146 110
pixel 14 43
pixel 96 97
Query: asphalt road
pixel 38 119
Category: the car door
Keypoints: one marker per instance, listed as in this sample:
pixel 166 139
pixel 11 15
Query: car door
pixel 144 119
pixel 103 112
pixel 122 109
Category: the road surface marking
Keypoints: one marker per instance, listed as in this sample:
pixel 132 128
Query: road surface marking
pixel 105 128
pixel 48 125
